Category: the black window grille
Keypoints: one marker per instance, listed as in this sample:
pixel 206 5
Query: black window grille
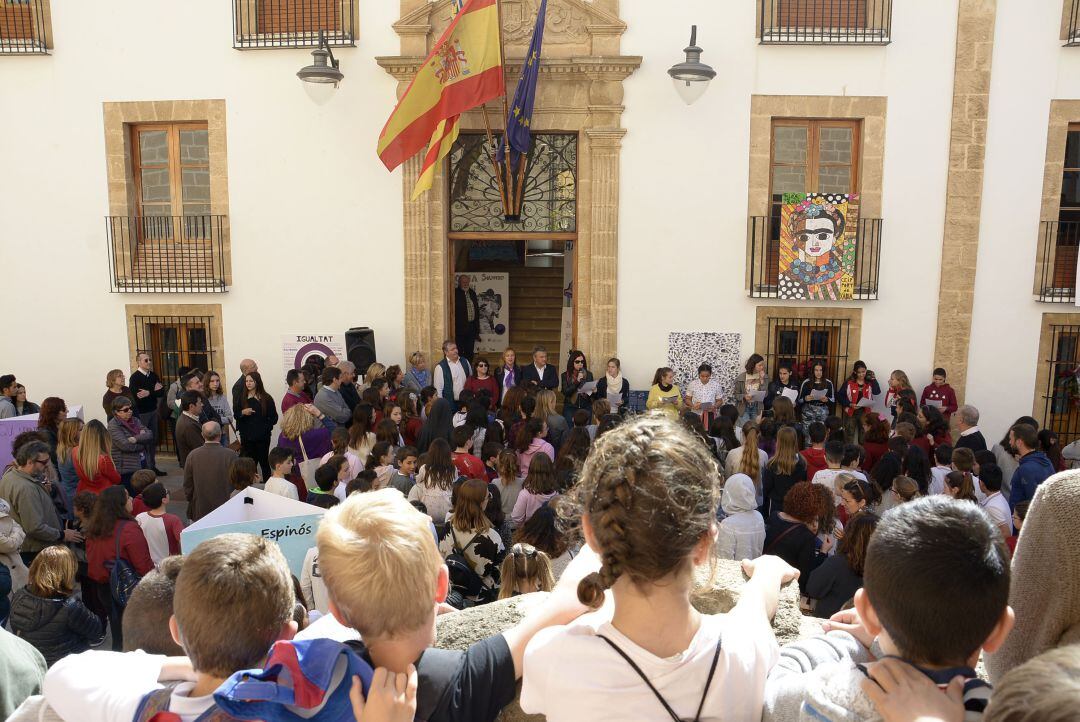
pixel 1061 413
pixel 293 23
pixel 23 27
pixel 1058 245
pixel 825 22
pixel 763 268
pixel 174 342
pixel 800 342
pixel 549 187
pixel 1072 29
pixel 176 254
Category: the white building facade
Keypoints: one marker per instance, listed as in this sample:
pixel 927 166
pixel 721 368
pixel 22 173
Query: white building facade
pixel 950 119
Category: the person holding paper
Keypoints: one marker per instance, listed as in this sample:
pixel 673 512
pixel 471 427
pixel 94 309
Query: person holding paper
pixel 612 386
pixel 940 394
pixel 665 395
pixel 703 394
pixel 751 389
pixel 576 376
pixel 861 386
pixel 785 385
pixel 817 397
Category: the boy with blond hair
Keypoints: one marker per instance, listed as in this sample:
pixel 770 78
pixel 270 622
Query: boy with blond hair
pixel 234 582
pixel 386 578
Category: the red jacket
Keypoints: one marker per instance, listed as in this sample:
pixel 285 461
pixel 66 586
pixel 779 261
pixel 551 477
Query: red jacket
pixel 490 384
pixel 925 443
pixel 944 394
pixel 815 461
pixel 138 506
pixel 133 548
pixel 105 476
pixel 469 466
pixel 410 430
pixel 873 453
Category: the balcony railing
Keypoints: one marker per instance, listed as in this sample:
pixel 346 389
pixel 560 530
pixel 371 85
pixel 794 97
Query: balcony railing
pixel 23 27
pixel 174 254
pixel 763 269
pixel 825 22
pixel 293 23
pixel 1072 29
pixel 1055 280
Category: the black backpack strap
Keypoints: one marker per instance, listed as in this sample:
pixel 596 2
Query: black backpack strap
pixel 667 707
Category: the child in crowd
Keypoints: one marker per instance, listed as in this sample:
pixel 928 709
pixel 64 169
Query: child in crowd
pixel 898 613
pixel 380 462
pixel 405 475
pixel 385 578
pixel 995 504
pixel 434 482
pixel 1019 513
pixel 161 529
pixel 489 453
pixel 742 532
pixel 963 459
pixel 233 599
pixel 508 480
pixel 243 473
pixel 467 464
pixel 942 466
pixel 815 453
pixel 939 394
pixel 833 584
pixel 146 618
pixel 339 437
pixel 960 485
pixel 714 664
pixel 531 441
pixel 834 457
pixel 469 533
pixel 48 614
pixel 538 488
pixel 327 477
pixel 139 481
pixel 281 465
pixel 853 461
pixel 525 569
pixel 903 489
pixel 312 586
pixel 362 484
pixel 834 429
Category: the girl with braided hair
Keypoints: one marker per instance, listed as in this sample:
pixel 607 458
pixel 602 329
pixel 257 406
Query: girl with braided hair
pixel 646 500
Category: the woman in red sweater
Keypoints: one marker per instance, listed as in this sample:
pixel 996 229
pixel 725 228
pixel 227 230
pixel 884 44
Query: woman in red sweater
pixel 875 440
pixel 482 380
pixel 112 517
pixel 93 460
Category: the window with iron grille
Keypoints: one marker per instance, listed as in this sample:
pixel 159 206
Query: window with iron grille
pixel 1061 237
pixel 1061 413
pixel 1071 23
pixel 823 22
pixel 293 23
pixel 800 342
pixel 24 27
pixel 174 343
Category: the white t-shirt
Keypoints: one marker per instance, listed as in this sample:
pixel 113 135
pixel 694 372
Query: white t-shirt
pixel 281 487
pixel 998 509
pixel 312 584
pixel 157 537
pixel 937 479
pixel 570 674
pixel 827 478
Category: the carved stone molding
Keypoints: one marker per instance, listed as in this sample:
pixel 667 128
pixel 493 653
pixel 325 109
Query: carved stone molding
pixel 580 89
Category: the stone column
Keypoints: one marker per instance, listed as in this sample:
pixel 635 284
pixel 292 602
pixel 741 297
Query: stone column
pixel 599 251
pixel 425 262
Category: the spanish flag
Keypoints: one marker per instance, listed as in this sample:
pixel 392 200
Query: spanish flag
pixel 463 71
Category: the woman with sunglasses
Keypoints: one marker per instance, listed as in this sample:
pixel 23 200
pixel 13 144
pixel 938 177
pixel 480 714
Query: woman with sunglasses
pixel 482 380
pixel 129 440
pixel 575 376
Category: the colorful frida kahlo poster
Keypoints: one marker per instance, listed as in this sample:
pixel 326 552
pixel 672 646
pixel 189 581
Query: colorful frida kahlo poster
pixel 817 246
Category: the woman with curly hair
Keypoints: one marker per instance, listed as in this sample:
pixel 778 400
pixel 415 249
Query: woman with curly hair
pixel 792 534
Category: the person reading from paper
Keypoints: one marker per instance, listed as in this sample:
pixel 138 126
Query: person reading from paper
pixel 665 395
pixel 817 396
pixel 703 394
pixel 785 384
pixel 750 389
pixel 613 387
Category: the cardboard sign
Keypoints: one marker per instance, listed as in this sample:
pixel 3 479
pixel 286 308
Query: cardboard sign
pixel 10 428
pixel 289 523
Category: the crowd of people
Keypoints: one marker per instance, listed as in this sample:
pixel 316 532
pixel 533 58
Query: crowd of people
pixel 459 484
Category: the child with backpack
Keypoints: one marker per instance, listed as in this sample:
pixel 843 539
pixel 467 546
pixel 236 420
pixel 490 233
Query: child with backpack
pixel 651 529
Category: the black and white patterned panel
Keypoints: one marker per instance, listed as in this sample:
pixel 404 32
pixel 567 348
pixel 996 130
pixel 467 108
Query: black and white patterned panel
pixel 689 349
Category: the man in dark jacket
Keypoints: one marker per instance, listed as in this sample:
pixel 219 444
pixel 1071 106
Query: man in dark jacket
pixel 148 391
pixel 188 425
pixel 466 317
pixel 206 473
pixel 247 366
pixel 1035 466
pixel 967 421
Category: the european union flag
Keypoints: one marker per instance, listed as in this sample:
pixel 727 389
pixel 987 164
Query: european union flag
pixel 518 131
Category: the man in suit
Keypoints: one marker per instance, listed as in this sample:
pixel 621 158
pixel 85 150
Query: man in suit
pixel 967 421
pixel 206 473
pixel 148 391
pixel 247 366
pixel 540 371
pixel 466 317
pixel 188 426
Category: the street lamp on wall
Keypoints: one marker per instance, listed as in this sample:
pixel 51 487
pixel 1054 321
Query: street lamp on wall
pixel 323 75
pixel 692 76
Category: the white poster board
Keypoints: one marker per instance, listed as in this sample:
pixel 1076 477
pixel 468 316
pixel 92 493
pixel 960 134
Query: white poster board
pixel 299 346
pixel 493 295
pixel 289 523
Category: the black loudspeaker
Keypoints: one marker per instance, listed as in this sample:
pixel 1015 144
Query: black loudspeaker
pixel 360 348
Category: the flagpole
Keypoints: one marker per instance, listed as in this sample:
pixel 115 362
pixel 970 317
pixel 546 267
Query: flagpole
pixel 507 201
pixel 491 154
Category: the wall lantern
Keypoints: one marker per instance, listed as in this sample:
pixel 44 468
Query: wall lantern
pixel 692 76
pixel 323 73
